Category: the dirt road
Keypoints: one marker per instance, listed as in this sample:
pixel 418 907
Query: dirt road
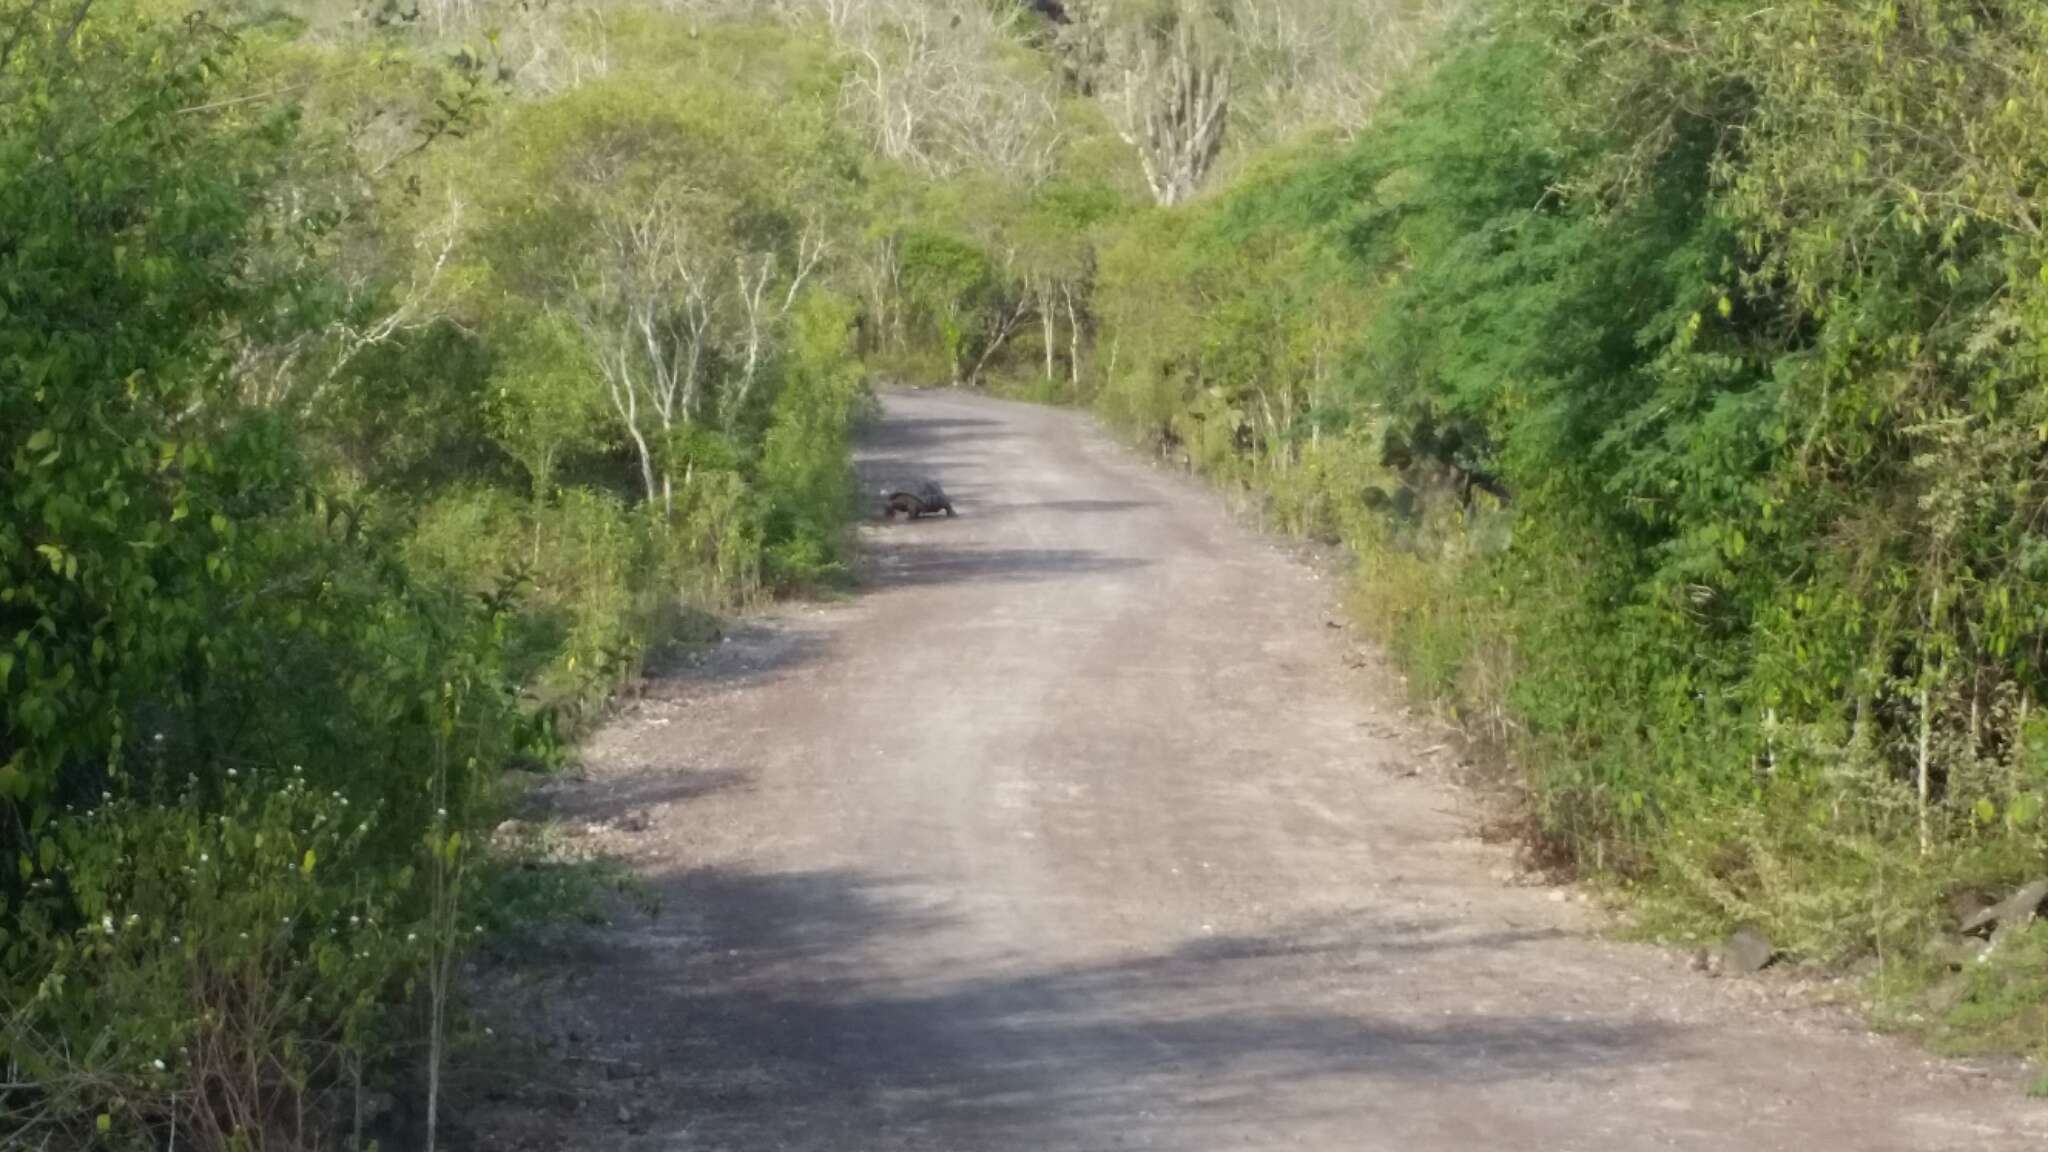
pixel 1075 831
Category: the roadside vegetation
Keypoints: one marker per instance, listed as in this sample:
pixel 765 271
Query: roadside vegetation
pixel 1675 376
pixel 369 408
pixel 380 388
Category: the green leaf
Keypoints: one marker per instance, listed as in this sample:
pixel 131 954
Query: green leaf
pixel 306 865
pixel 2024 811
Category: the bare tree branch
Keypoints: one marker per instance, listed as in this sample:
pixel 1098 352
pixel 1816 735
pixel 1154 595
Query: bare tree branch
pixel 1176 103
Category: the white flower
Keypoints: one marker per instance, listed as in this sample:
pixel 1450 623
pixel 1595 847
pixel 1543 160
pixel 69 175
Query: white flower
pixel 410 937
pixel 107 923
pixel 157 1064
pixel 203 857
pixel 231 773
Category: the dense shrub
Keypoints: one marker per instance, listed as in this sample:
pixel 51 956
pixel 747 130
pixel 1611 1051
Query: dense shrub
pixel 200 975
pixel 1689 360
pixel 206 660
pixel 804 476
pixel 314 517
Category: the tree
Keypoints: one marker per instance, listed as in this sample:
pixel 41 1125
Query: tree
pixel 123 239
pixel 664 224
pixel 1175 103
pixel 543 405
pixel 944 88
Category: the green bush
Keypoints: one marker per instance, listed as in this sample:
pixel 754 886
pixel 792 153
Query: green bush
pixel 952 292
pixel 1686 357
pixel 806 472
pixel 200 974
pixel 316 514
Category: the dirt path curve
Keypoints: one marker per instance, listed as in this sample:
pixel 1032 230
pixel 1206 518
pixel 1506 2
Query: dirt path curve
pixel 1074 831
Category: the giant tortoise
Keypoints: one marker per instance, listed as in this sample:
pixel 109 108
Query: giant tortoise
pixel 924 498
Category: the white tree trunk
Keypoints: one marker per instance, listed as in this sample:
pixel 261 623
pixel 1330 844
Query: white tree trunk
pixel 1049 322
pixel 753 285
pixel 1073 339
pixel 615 365
pixel 1176 103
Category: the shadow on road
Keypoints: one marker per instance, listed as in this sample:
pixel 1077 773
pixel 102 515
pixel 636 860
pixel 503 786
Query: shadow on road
pixel 875 471
pixel 652 787
pixel 910 433
pixel 923 565
pixel 822 1010
pixel 748 655
pixel 1062 507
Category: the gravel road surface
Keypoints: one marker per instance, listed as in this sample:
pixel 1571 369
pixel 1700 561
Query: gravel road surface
pixel 1078 828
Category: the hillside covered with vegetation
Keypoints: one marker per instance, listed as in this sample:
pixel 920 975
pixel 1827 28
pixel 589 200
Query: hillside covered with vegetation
pixel 378 388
